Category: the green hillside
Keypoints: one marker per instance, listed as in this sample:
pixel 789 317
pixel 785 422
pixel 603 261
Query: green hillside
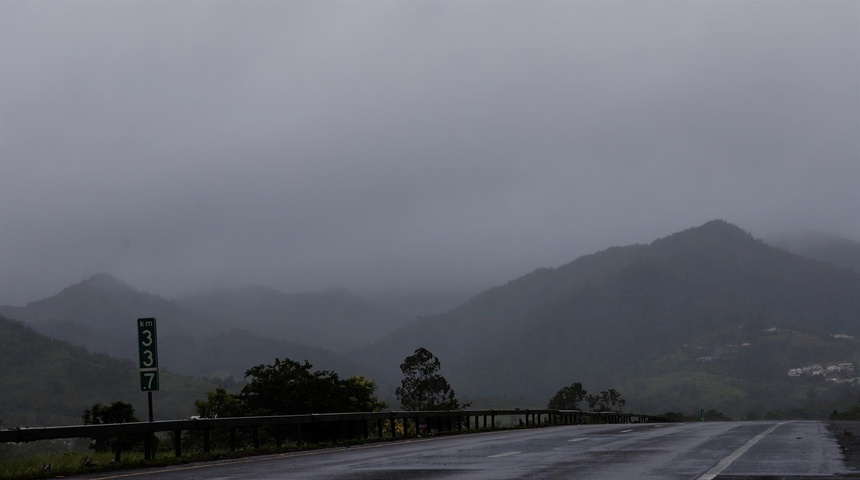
pixel 50 382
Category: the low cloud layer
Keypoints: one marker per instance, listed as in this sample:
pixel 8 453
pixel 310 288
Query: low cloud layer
pixel 374 145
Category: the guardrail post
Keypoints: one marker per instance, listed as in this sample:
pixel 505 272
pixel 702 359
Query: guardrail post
pixel 279 439
pixel 366 429
pixel 232 439
pixel 207 444
pixel 393 429
pixel 177 443
pixel 417 426
pixel 379 428
pixel 493 419
pixel 299 434
pixel 255 435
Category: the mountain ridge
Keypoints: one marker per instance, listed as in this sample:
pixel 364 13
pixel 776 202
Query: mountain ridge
pixel 605 317
pixel 334 319
pixel 616 317
pixel 86 314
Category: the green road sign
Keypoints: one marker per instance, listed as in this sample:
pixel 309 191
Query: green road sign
pixel 147 344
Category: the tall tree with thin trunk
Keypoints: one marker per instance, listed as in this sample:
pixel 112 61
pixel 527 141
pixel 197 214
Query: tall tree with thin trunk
pixel 422 387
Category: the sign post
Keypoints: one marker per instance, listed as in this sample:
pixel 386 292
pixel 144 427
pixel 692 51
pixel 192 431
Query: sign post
pixel 147 344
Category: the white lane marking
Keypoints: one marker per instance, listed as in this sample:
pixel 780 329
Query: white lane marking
pixel 577 439
pixel 724 464
pixel 626 431
pixel 506 454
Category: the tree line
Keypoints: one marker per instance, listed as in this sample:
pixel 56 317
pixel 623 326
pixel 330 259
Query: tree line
pixel 288 387
pixel 572 396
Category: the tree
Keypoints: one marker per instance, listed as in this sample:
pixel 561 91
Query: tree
pixel 219 403
pixel 422 387
pixel 568 398
pixel 116 412
pixel 605 400
pixel 613 397
pixel 288 388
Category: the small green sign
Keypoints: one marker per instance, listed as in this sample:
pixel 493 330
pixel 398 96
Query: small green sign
pixel 147 343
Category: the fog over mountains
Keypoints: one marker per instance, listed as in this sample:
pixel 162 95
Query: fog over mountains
pixel 217 333
pixel 709 316
pixel 384 146
pixel 334 319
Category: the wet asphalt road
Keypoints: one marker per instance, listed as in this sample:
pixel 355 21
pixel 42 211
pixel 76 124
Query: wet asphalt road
pixel 700 451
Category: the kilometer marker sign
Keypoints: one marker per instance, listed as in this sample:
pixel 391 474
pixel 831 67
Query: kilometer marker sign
pixel 147 343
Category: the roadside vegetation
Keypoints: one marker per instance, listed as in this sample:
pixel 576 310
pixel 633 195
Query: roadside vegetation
pixel 285 387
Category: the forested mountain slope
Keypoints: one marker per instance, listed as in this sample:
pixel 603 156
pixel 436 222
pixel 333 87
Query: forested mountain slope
pixel 50 382
pixel 606 319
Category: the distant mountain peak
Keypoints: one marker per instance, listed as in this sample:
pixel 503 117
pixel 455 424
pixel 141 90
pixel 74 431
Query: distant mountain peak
pixel 717 227
pixel 100 285
pixel 105 282
pixel 715 232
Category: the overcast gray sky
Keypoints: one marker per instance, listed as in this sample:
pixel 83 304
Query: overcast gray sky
pixel 415 144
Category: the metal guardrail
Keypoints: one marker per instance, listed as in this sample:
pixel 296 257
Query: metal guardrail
pixel 385 422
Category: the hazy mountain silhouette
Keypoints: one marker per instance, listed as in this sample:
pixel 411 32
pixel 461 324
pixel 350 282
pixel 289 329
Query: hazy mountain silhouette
pixel 820 246
pixel 333 319
pixel 231 353
pixel 707 316
pixel 100 313
pixel 606 319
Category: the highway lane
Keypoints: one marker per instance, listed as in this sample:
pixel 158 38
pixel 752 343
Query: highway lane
pixel 700 451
